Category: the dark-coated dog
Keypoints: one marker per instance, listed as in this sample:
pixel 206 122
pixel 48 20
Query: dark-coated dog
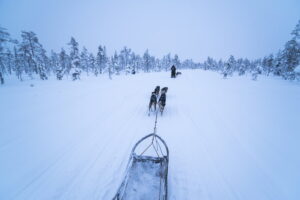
pixel 156 90
pixel 178 73
pixel 162 101
pixel 153 102
pixel 164 89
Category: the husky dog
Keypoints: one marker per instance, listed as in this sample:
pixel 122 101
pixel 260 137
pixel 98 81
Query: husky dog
pixel 156 90
pixel 153 102
pixel 162 101
pixel 164 89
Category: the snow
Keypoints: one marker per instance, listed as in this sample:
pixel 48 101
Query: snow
pixel 297 69
pixel 228 138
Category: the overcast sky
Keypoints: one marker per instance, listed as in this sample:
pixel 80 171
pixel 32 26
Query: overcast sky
pixel 191 28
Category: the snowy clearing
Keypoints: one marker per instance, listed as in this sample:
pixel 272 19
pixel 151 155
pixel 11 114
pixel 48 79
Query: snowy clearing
pixel 228 138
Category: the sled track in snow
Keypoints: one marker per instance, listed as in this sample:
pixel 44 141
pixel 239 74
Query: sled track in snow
pixel 224 137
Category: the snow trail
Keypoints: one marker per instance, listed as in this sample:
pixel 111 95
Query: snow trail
pixel 228 139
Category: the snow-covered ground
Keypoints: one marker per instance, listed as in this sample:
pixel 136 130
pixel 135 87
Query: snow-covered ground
pixel 228 138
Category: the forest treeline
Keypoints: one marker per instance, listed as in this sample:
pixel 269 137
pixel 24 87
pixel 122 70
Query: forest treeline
pixel 28 58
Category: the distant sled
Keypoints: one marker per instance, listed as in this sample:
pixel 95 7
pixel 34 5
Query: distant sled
pixel 146 175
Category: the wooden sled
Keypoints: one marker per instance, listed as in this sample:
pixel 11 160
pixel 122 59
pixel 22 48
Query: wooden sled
pixel 146 176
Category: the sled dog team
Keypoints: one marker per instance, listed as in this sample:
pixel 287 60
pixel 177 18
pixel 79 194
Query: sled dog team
pixel 159 94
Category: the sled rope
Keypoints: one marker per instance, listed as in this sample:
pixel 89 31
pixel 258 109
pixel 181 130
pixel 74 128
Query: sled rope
pixel 154 136
pixel 154 142
pixel 155 123
pixel 157 145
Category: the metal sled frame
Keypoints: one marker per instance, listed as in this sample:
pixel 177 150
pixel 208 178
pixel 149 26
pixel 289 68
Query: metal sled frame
pixel 140 168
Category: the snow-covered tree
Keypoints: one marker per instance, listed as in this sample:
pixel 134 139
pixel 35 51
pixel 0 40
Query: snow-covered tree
pixel 166 62
pixel 1 79
pixel 74 59
pixel 54 61
pixel 176 61
pixel 29 57
pixel 229 66
pixel 291 59
pixel 92 63
pixel 124 58
pixel 278 66
pixel 210 64
pixel 18 67
pixel 33 55
pixel 109 69
pixel 247 64
pixel 135 62
pixel 114 61
pixel 64 63
pixel 147 61
pixel 4 39
pixel 101 59
pixel 9 61
pixel 188 64
pixel 74 53
pixel 268 64
pixel 84 60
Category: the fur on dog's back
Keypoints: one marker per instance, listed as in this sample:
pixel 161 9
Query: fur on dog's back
pixel 157 90
pixel 164 89
pixel 153 101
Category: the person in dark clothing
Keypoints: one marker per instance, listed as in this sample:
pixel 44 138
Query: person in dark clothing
pixel 162 102
pixel 173 72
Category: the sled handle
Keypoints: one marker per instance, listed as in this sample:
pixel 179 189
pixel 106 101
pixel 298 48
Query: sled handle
pixel 147 136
